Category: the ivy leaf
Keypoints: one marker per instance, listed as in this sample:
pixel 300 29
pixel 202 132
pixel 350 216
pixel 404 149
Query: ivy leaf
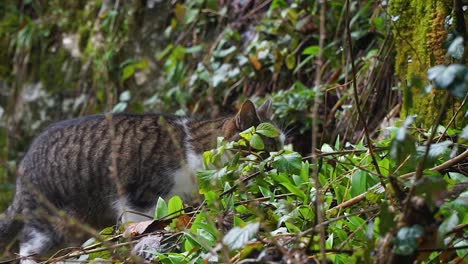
pixel 120 107
pixel 256 142
pixel 238 237
pixel 175 206
pixel 406 241
pixel 452 78
pixel 161 209
pixel 125 96
pixel 268 130
pixel 456 48
pixel 247 134
pixel 438 149
pixel 464 133
pixel 290 163
pixel 448 225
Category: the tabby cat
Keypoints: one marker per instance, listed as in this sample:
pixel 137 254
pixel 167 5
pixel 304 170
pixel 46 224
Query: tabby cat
pixel 97 173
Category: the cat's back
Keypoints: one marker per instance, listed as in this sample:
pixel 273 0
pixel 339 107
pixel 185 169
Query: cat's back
pixel 81 144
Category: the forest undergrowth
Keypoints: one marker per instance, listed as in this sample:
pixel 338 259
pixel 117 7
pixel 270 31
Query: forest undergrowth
pixel 357 180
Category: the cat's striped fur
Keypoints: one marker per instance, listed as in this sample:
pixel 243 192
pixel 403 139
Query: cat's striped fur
pixel 73 166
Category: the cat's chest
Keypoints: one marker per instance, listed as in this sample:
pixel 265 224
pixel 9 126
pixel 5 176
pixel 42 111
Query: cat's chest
pixel 185 178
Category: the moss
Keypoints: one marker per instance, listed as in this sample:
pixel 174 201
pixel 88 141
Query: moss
pixel 419 34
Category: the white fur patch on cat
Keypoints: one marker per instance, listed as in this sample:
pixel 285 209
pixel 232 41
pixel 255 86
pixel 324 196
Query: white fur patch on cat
pixel 33 246
pixel 185 178
pixel 127 214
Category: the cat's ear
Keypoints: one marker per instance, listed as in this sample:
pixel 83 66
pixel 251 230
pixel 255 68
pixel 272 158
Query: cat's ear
pixel 247 116
pixel 264 111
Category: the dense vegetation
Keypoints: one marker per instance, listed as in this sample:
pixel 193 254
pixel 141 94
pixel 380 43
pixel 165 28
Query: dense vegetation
pixel 358 181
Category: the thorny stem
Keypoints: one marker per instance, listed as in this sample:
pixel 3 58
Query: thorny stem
pixel 356 98
pixel 315 168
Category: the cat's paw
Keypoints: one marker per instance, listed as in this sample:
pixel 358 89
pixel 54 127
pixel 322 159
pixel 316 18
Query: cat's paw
pixel 148 246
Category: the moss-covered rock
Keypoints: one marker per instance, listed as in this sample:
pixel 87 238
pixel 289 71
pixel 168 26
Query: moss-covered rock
pixel 420 33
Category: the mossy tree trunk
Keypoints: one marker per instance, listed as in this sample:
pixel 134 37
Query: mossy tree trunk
pixel 421 28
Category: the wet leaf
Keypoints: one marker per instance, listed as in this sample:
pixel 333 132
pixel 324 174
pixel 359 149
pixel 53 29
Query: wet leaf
pixel 448 224
pixel 175 206
pixel 125 96
pixel 256 142
pixel 238 237
pixel 161 209
pixel 267 130
pixel 290 163
pixel 406 240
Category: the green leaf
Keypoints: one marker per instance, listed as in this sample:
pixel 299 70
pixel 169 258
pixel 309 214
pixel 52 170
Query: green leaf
pixel 358 182
pixel 161 209
pixel 225 52
pixel 290 61
pixel 237 237
pixel 435 71
pixel 247 134
pixel 120 107
pixel 464 133
pixel 278 4
pixel 290 163
pixel 311 50
pixel 406 241
pixel 462 253
pixel 452 77
pixel 256 142
pixel 165 52
pixel 194 49
pixel 296 191
pixel 448 225
pixel 305 168
pixel 128 71
pixel 205 179
pixel 297 180
pixel 292 228
pixel 175 206
pixel 265 191
pixel 438 149
pixel 268 130
pixel 125 96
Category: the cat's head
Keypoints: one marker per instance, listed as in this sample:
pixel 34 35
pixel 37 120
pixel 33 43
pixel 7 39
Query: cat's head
pixel 248 116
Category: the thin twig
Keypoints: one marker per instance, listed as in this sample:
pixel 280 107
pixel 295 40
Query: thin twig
pixel 315 117
pixel 356 98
